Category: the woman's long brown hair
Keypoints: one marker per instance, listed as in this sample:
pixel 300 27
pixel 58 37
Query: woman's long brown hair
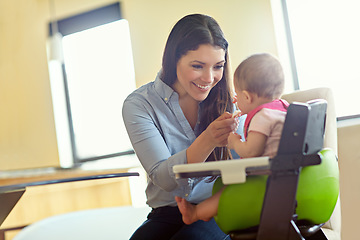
pixel 188 34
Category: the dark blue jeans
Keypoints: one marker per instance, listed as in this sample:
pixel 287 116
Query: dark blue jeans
pixel 165 223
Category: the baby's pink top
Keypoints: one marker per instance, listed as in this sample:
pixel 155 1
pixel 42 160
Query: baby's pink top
pixel 269 122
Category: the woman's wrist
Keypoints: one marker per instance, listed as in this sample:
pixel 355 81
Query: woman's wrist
pixel 200 149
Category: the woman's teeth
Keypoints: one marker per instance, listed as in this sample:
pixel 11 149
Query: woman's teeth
pixel 202 87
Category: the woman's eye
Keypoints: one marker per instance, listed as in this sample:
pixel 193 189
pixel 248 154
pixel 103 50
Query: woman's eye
pixel 219 66
pixel 197 66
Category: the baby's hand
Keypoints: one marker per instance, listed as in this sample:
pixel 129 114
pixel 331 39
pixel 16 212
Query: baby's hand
pixel 233 137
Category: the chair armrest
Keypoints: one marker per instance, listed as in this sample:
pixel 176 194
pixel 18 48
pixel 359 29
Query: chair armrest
pixel 231 171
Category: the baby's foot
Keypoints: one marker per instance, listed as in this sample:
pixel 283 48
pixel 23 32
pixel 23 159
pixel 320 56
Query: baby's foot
pixel 187 210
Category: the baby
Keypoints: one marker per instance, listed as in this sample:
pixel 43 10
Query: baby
pixel 259 83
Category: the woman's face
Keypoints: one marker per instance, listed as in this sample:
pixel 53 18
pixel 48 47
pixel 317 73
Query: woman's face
pixel 199 71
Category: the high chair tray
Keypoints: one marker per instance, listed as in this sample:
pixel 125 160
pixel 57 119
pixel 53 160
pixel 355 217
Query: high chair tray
pixel 231 171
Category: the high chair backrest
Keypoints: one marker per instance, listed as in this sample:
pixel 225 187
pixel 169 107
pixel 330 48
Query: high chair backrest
pixel 332 228
pixel 301 140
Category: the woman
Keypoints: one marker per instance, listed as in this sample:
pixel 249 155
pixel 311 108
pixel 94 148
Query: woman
pixel 183 117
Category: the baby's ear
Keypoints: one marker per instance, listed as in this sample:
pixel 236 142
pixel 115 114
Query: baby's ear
pixel 248 96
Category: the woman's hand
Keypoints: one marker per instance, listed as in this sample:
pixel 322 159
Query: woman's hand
pixel 215 135
pixel 218 131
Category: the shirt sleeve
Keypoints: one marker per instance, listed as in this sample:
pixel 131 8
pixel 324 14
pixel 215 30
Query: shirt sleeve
pixel 261 122
pixel 150 147
pixel 270 123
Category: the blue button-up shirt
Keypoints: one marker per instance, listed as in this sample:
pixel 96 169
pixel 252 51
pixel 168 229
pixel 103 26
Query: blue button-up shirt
pixel 160 135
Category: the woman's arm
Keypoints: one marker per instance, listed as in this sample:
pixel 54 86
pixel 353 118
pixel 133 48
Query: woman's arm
pixel 145 134
pixel 215 135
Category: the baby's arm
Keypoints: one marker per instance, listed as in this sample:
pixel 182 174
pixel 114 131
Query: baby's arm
pixel 253 146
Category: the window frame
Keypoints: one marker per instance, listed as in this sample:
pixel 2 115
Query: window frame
pixel 77 23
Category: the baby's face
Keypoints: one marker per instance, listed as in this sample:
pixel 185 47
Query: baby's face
pixel 241 102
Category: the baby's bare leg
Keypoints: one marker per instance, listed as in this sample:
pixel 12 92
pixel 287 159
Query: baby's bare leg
pixel 203 211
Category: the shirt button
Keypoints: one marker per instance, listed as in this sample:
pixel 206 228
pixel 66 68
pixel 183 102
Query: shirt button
pixel 165 99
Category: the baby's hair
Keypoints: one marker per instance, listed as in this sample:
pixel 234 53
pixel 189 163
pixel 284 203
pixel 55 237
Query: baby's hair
pixel 261 74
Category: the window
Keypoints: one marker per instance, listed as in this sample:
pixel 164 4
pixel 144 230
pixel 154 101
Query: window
pixel 98 74
pixel 324 47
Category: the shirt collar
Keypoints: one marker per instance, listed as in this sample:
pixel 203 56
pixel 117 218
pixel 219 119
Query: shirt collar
pixel 164 90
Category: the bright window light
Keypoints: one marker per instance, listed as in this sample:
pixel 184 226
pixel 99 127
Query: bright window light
pixel 326 46
pixel 325 39
pixel 100 74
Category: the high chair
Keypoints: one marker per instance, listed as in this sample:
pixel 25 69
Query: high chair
pixel 287 197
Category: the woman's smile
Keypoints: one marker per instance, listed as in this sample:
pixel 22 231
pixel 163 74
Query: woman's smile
pixel 203 87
